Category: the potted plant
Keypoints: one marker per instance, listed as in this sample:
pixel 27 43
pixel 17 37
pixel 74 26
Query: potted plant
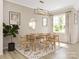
pixel 12 31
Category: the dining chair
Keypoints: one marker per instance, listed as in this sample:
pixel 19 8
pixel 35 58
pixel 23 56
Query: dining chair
pixel 57 39
pixel 44 42
pixel 32 39
pixel 24 44
pixel 51 39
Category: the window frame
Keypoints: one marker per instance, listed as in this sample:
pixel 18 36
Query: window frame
pixel 64 30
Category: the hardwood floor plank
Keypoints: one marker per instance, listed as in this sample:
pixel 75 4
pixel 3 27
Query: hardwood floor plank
pixel 8 55
pixel 2 57
pixel 19 55
pixel 69 52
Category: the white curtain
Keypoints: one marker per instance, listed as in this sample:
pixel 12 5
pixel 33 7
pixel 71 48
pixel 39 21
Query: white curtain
pixel 68 26
pixel 78 23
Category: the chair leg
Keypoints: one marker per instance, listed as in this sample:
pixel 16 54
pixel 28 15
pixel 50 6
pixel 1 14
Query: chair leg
pixel 58 44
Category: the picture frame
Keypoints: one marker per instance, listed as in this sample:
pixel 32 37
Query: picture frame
pixel 14 18
pixel 44 21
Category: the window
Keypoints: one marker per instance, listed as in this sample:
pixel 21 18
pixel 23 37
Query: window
pixel 59 23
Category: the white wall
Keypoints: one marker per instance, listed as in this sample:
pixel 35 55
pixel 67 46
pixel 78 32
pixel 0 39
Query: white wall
pixel 1 27
pixel 26 15
pixel 76 5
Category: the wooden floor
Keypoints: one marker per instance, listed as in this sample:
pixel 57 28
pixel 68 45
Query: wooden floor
pixel 12 55
pixel 66 52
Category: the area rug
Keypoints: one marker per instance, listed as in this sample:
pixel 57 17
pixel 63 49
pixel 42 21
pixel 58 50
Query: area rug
pixel 36 54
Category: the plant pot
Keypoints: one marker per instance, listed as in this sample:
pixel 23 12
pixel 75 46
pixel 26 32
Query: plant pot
pixel 11 46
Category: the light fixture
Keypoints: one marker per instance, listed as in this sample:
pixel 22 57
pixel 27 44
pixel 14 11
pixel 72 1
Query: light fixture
pixel 41 11
pixel 41 1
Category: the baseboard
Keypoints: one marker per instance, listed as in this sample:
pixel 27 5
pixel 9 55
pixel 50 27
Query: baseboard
pixel 64 42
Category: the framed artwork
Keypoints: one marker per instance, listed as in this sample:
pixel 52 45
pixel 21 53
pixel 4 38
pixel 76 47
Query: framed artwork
pixel 14 18
pixel 44 20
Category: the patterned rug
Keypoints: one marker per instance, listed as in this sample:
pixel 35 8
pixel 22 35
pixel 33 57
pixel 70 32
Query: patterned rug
pixel 36 54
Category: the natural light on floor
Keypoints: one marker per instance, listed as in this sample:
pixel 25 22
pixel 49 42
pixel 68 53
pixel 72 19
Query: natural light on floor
pixel 62 45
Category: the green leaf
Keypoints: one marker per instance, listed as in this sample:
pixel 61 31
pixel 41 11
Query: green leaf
pixel 10 30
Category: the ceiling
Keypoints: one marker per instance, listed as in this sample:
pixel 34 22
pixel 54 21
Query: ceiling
pixel 48 4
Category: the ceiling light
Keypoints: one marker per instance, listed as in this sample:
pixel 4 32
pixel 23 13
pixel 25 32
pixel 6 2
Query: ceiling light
pixel 41 11
pixel 41 1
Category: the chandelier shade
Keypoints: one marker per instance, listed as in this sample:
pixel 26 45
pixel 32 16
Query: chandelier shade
pixel 41 12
